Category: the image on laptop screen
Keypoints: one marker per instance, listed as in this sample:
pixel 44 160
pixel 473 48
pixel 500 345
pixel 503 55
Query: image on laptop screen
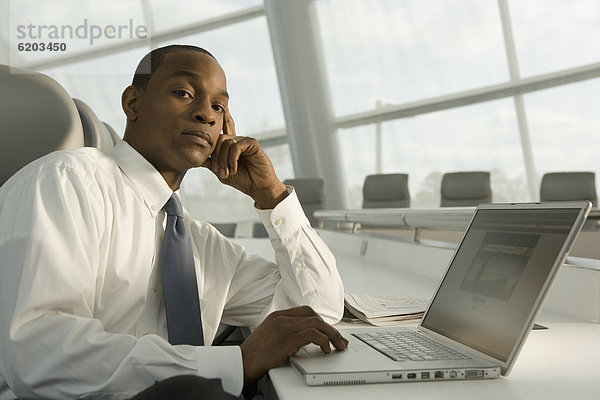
pixel 504 261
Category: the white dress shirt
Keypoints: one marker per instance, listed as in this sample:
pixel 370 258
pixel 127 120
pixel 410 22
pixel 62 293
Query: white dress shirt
pixel 80 290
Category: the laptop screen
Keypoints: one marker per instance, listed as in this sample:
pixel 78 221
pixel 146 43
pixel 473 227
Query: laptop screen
pixel 496 276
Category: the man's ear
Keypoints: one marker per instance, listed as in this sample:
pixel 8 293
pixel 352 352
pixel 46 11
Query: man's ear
pixel 129 100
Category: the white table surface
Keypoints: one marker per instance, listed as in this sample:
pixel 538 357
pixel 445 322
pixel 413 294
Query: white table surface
pixel 562 362
pixel 559 363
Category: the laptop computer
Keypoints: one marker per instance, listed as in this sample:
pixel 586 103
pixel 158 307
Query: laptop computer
pixel 481 312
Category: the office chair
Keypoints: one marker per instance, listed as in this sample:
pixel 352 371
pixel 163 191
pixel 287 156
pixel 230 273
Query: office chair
pixel 311 194
pixel 113 134
pixel 567 186
pixel 226 229
pixel 38 116
pixel 460 189
pixel 386 191
pixel 95 133
pixel 259 230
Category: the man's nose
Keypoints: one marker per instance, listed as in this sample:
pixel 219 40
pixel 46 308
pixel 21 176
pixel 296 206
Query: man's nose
pixel 204 113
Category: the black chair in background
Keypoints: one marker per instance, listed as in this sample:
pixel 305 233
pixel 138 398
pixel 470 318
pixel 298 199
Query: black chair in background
pixel 226 229
pixel 386 191
pixel 259 230
pixel 311 194
pixel 569 186
pixel 463 189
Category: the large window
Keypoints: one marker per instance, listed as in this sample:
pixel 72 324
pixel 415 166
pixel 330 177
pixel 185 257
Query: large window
pixel 399 54
pixel 401 51
pixel 357 147
pixel 555 34
pixel 479 137
pixel 168 14
pixel 81 26
pixel 565 128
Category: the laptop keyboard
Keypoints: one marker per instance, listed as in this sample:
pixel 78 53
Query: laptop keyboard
pixel 410 345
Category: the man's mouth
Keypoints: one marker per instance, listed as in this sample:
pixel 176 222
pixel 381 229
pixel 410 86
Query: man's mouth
pixel 201 138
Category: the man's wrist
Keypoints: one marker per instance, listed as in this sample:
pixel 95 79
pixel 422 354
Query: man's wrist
pixel 269 198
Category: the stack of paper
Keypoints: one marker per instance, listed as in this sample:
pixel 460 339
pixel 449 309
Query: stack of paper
pixel 384 311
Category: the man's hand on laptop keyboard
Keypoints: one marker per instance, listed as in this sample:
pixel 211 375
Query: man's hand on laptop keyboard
pixel 281 335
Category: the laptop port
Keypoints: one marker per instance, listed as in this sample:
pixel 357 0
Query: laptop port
pixel 424 375
pixel 439 374
pixel 411 376
pixel 473 373
pixel 396 376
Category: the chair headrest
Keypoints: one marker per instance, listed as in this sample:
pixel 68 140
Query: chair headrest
pixel 466 185
pixel 309 190
pixel 386 187
pixel 112 133
pixel 386 191
pixel 38 116
pixel 95 133
pixel 567 186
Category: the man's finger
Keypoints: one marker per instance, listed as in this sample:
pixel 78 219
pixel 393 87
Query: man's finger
pixel 220 156
pixel 228 124
pixel 229 154
pixel 313 322
pixel 235 151
pixel 310 319
pixel 307 336
pixel 212 166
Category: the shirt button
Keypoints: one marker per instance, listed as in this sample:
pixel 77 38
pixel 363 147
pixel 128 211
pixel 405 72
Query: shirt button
pixel 298 264
pixel 278 221
pixel 154 208
pixel 155 288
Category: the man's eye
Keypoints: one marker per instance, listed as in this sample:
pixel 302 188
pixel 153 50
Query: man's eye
pixel 219 108
pixel 182 93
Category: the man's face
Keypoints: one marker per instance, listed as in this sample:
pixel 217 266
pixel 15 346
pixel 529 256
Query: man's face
pixel 180 113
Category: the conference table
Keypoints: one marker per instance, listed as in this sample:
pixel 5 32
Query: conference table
pixel 450 218
pixel 556 363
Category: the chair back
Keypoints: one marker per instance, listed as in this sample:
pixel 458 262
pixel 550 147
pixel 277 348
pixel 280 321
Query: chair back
pixel 259 230
pixel 461 189
pixel 226 229
pixel 567 186
pixel 311 194
pixel 112 133
pixel 95 133
pixel 38 116
pixel 386 191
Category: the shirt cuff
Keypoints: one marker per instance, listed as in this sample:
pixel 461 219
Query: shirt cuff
pixel 224 362
pixel 286 218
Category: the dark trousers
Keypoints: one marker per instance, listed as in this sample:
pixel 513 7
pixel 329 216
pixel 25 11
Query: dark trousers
pixel 185 387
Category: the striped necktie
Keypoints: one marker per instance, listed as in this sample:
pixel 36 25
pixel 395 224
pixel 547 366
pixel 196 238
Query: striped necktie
pixel 180 288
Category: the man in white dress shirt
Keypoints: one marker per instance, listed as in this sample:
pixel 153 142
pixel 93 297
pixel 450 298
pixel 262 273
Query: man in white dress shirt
pixel 82 312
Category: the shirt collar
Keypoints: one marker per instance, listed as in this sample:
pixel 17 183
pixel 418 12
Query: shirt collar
pixel 147 180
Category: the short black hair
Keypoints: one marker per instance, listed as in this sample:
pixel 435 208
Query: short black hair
pixel 154 59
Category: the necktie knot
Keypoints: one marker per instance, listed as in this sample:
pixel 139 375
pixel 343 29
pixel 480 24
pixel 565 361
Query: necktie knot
pixel 173 206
